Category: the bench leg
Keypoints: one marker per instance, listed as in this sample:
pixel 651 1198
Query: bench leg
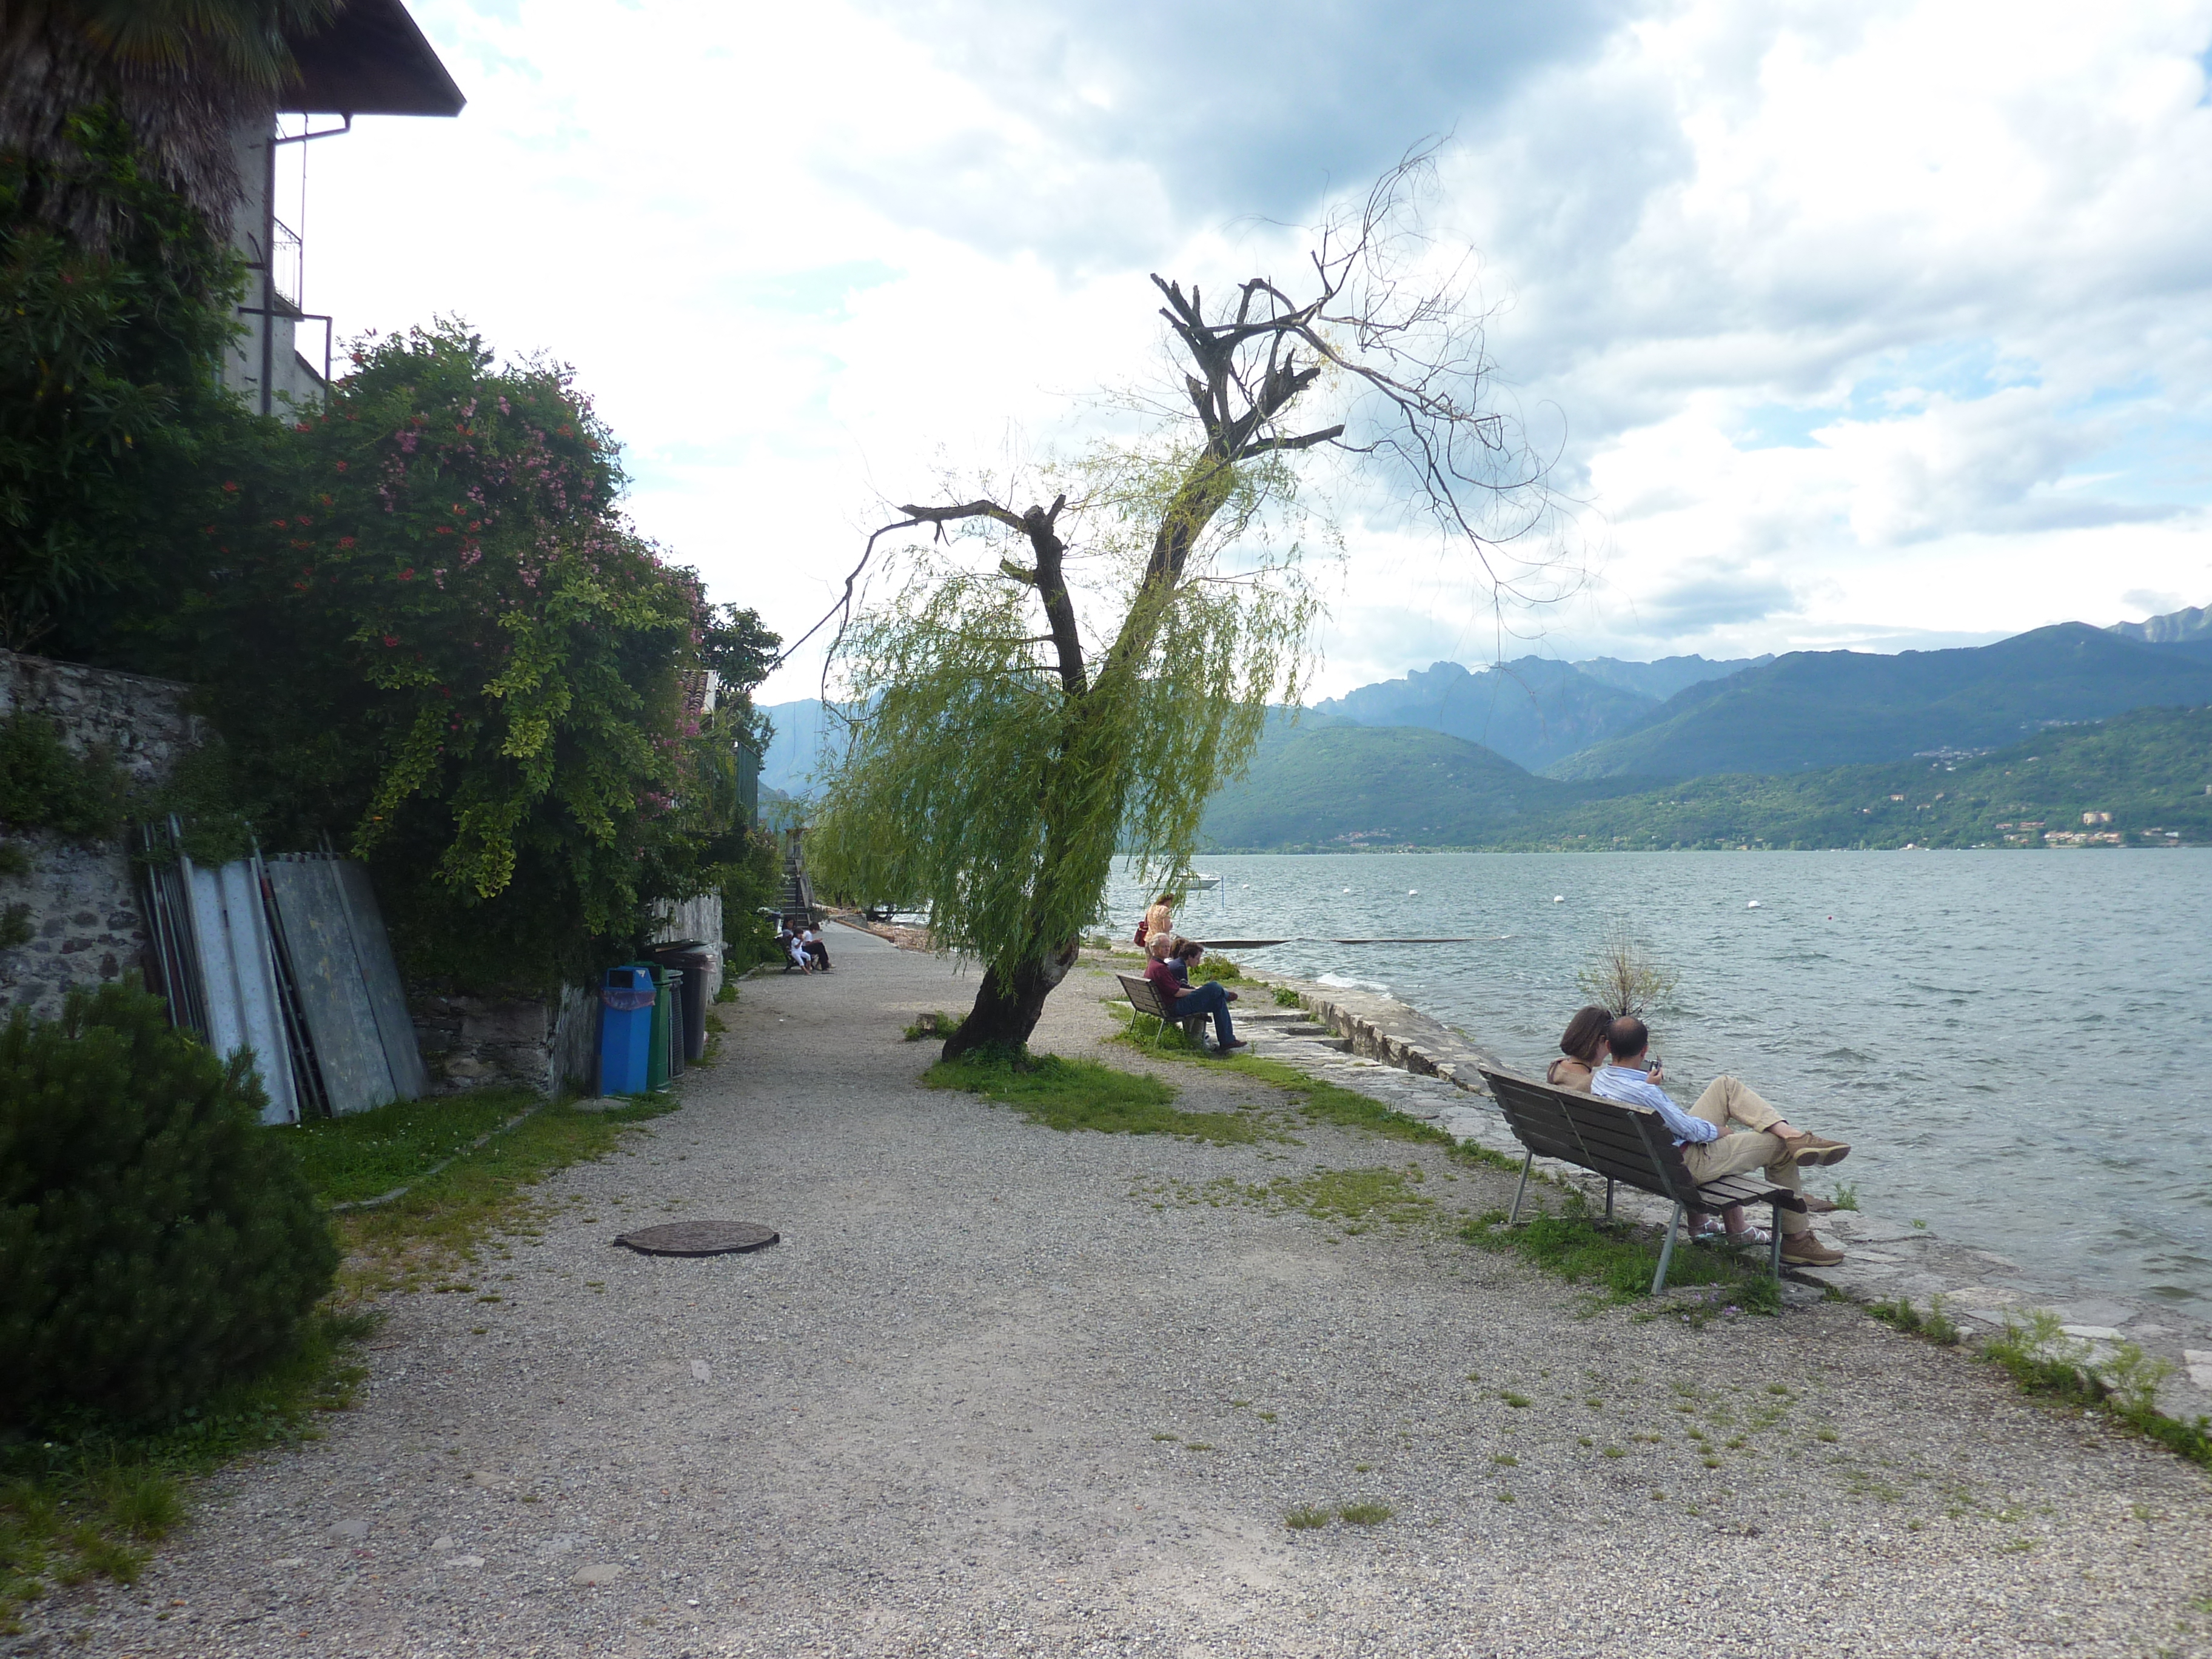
pixel 1608 1200
pixel 1666 1251
pixel 1774 1245
pixel 1521 1190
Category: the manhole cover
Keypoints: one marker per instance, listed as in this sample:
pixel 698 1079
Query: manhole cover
pixel 699 1238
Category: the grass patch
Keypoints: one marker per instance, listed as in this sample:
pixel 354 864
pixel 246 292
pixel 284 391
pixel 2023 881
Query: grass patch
pixel 367 1154
pixel 1081 1094
pixel 1287 998
pixel 1353 1200
pixel 1365 1514
pixel 1621 1259
pixel 1846 1196
pixel 444 1218
pixel 1315 1099
pixel 83 1498
pixel 1305 1518
pixel 938 1024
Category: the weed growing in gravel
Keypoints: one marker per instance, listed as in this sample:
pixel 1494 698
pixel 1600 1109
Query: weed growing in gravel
pixel 1306 1518
pixel 1365 1514
pixel 938 1024
pixel 1936 1325
pixel 1285 998
pixel 2123 1386
pixel 1846 1196
pixel 1081 1094
pixel 1355 1200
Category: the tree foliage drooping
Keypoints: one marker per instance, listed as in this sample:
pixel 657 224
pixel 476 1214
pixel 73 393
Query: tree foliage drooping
pixel 1019 726
pixel 158 1243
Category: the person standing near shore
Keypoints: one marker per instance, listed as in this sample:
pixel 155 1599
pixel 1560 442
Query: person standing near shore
pixel 1159 921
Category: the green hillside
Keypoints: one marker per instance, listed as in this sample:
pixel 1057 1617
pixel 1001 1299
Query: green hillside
pixel 1813 709
pixel 1351 786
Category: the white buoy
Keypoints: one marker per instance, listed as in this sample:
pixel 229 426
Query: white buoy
pixel 1413 892
pixel 1559 898
pixel 1347 889
pixel 1753 905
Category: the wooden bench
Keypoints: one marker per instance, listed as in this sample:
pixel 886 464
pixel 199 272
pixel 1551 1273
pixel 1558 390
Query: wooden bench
pixel 1629 1145
pixel 1144 998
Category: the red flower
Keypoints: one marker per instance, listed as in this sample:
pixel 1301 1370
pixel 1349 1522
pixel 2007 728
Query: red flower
pixel 280 524
pixel 342 466
pixel 389 640
pixel 230 489
pixel 345 541
pixel 408 574
pixel 303 427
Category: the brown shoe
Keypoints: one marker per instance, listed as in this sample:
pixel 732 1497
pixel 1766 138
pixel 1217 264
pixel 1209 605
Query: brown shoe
pixel 1805 1251
pixel 1810 1151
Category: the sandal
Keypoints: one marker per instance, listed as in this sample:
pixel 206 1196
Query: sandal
pixel 1751 1236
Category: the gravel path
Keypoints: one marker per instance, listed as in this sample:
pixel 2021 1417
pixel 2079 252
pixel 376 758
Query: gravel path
pixel 1002 1390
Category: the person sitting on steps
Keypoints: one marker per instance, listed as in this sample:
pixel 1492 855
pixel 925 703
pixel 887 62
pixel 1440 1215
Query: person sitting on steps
pixel 1183 1000
pixel 1766 1141
pixel 1581 1049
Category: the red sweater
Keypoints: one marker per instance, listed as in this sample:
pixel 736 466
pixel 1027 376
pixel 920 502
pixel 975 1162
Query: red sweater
pixel 1162 979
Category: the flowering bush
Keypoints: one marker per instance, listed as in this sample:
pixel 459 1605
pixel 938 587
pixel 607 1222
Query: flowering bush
pixel 429 632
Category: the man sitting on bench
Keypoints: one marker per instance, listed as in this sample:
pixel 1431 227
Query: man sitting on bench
pixel 1211 998
pixel 1765 1142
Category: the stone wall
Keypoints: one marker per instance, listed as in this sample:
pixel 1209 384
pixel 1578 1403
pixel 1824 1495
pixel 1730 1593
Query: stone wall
pixel 543 1044
pixel 85 911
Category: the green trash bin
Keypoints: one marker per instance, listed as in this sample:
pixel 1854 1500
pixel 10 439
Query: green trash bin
pixel 656 1060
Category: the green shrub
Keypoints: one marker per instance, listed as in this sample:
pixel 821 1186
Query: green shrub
pixel 44 786
pixel 160 1243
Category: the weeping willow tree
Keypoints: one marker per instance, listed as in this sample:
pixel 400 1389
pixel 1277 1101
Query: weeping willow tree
pixel 1038 688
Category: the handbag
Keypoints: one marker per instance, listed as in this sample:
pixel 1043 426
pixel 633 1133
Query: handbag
pixel 1140 937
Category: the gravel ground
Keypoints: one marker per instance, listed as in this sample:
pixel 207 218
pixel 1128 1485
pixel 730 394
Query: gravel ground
pixel 1002 1390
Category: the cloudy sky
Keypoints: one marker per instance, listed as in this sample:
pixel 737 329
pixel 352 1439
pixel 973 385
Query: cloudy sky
pixel 1887 325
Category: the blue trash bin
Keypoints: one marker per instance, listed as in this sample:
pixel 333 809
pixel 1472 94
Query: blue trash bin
pixel 626 1029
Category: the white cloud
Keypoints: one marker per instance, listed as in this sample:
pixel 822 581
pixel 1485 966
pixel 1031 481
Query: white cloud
pixel 1878 324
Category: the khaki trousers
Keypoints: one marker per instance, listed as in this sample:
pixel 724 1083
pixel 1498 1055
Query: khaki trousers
pixel 1748 1148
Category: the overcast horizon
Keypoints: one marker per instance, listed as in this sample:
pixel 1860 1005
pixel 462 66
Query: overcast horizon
pixel 1884 330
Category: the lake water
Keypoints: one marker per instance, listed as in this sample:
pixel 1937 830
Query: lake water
pixel 2016 1044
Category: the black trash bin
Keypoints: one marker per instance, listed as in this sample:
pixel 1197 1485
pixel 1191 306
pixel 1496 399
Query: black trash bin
pixel 692 957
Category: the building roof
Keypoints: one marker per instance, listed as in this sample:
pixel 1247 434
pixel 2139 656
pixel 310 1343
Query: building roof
pixel 372 61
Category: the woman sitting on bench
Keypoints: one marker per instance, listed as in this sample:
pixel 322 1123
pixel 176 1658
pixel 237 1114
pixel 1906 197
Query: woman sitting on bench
pixel 1183 1000
pixel 1582 1049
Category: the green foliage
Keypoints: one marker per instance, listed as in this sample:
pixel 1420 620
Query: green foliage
pixel 1306 1518
pixel 109 405
pixel 939 1026
pixel 1365 1514
pixel 1081 1094
pixel 43 786
pixel 986 786
pixel 160 1242
pixel 1345 786
pixel 751 882
pixel 1623 974
pixel 1287 998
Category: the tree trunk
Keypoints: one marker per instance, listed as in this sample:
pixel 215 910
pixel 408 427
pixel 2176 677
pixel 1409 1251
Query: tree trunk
pixel 1007 1009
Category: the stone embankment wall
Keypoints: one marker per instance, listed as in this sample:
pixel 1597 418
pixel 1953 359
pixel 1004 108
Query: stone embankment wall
pixel 85 912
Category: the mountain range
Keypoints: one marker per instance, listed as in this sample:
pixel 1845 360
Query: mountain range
pixel 1449 755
